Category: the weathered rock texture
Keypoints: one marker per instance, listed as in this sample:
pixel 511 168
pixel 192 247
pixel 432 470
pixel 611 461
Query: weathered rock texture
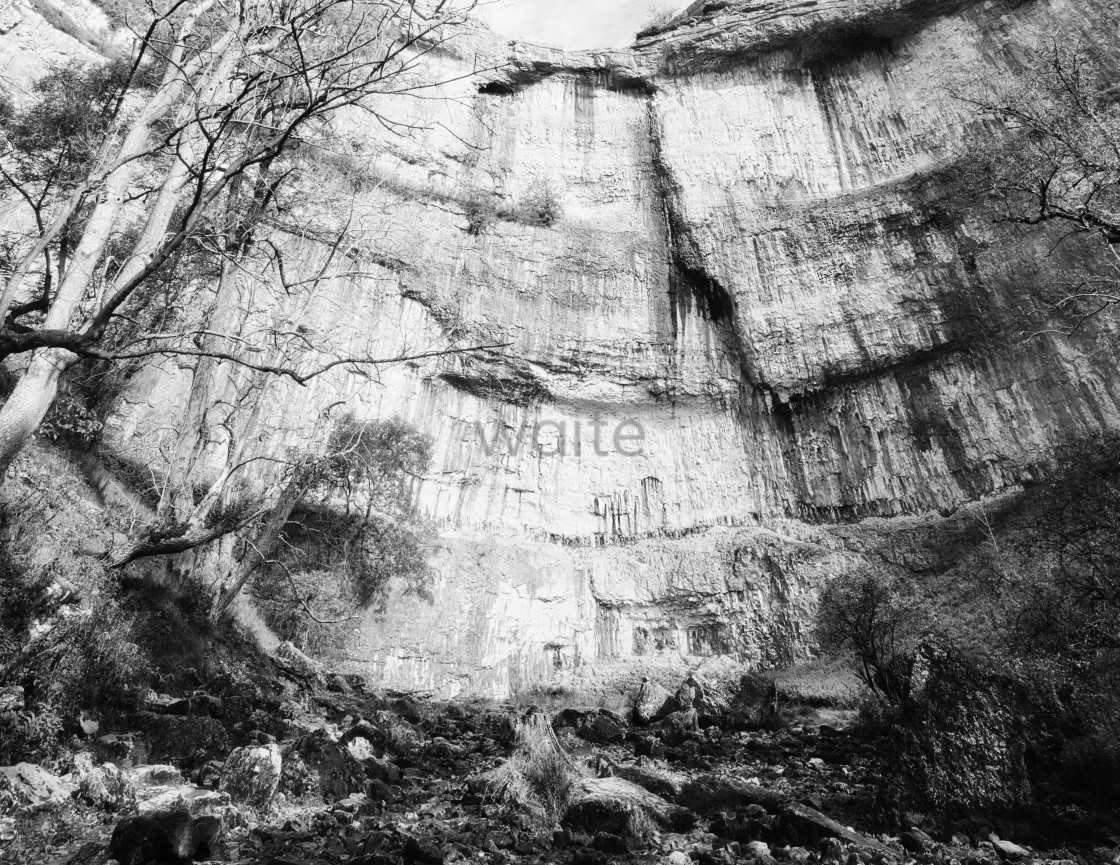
pixel 764 262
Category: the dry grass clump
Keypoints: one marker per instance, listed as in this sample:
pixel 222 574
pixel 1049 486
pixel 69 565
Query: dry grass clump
pixel 539 776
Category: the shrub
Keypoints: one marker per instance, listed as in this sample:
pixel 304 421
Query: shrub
pixel 481 213
pixel 69 420
pixel 539 775
pixel 84 660
pixel 1091 764
pixel 658 18
pixel 32 737
pixel 875 718
pixel 343 557
pixel 544 696
pixel 61 130
pixel 1069 596
pixel 540 205
pixel 97 666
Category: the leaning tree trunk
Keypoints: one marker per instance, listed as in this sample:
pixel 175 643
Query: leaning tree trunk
pixel 257 552
pixel 27 405
pixel 25 409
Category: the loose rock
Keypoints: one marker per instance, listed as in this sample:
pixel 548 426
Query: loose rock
pixel 103 786
pixel 167 837
pixel 652 703
pixel 252 774
pixel 620 807
pixel 26 785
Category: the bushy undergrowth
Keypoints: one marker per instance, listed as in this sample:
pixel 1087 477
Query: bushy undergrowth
pixel 76 660
pixel 31 737
pixel 1028 610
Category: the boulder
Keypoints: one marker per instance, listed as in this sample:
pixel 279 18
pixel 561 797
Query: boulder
pixel 800 824
pixel 1008 850
pixel 103 786
pixel 962 743
pixel 678 726
pixel 739 827
pixel 315 764
pixel 198 703
pixel 652 703
pixel 121 749
pixel 598 726
pixel 382 770
pixel 26 785
pixel 190 799
pixel 185 741
pixel 295 661
pixel 252 774
pixel 619 807
pixel 157 775
pixel 711 793
pixel 649 745
pixel 167 837
pixel 360 748
pixel 387 732
pixel 916 841
pixel 710 699
pixel 656 782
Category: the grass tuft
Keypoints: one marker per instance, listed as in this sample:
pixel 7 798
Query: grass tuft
pixel 539 775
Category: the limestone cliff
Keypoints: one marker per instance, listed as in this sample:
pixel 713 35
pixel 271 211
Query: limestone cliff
pixel 764 264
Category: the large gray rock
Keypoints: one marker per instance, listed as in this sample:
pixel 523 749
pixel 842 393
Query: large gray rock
pixel 656 782
pixel 652 703
pixel 185 741
pixel 678 726
pixel 599 726
pixel 298 662
pixel 316 764
pixel 26 785
pixel 165 837
pixel 710 793
pixel 252 774
pixel 962 741
pixel 104 786
pixel 799 824
pixel 620 807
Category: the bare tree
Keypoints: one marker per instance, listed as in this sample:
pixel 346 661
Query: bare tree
pixel 1060 161
pixel 191 145
pixel 368 467
pixel 200 476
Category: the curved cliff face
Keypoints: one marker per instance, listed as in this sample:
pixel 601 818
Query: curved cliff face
pixel 764 264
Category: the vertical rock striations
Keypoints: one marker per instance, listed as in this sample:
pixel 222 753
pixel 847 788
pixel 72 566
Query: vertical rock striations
pixel 765 263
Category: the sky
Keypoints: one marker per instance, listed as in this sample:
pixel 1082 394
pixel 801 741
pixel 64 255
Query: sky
pixel 572 23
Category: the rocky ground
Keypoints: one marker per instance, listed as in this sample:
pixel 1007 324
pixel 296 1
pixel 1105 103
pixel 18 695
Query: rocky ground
pixel 303 767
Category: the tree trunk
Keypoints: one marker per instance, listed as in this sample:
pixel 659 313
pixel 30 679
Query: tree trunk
pixel 29 402
pixel 263 544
